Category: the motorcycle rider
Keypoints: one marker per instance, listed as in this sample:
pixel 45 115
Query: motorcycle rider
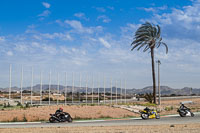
pixel 183 107
pixel 59 112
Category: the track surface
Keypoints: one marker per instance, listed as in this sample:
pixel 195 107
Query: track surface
pixel 138 121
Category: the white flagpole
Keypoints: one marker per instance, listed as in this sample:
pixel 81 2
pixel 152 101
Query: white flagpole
pixel 40 87
pixel 125 90
pixel 32 86
pixel 104 92
pixel 58 87
pixel 121 89
pixel 98 84
pixel 86 88
pixel 21 82
pixel 92 88
pixel 49 87
pixel 80 87
pixel 116 91
pixel 72 87
pixel 10 79
pixel 111 89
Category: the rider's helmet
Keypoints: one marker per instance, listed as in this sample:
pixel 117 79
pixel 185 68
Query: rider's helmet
pixel 61 109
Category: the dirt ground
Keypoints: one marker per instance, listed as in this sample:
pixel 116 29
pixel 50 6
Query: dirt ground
pixel 179 128
pixel 41 113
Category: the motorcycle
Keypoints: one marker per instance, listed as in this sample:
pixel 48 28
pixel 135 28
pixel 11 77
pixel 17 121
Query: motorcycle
pixel 149 114
pixel 185 111
pixel 64 117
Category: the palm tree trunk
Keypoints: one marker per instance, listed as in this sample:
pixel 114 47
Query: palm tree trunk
pixel 153 75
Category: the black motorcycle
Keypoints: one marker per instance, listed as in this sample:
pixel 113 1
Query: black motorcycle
pixel 185 111
pixel 63 117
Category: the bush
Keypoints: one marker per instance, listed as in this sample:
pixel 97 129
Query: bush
pixel 24 118
pixel 15 119
pixel 19 104
pixel 4 105
pixel 47 99
pixel 169 108
pixel 149 97
pixel 27 105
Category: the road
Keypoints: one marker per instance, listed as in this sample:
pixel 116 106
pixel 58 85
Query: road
pixel 136 121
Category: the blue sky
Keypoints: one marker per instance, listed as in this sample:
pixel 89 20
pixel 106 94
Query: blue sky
pixel 93 37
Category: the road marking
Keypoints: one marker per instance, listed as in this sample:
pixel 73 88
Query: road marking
pixel 89 121
pixel 18 123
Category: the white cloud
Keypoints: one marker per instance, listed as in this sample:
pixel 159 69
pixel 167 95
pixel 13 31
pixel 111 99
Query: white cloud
pixel 111 7
pixel 104 18
pixel 21 47
pixel 62 36
pixel 9 53
pixel 100 9
pixel 104 42
pixel 2 38
pixel 50 49
pixel 154 9
pixel 78 27
pixel 81 15
pixel 45 13
pixel 46 5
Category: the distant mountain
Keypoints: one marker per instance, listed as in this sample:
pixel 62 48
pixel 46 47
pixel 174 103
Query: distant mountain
pixel 165 90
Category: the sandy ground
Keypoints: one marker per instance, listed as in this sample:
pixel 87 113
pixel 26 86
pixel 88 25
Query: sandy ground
pixel 179 128
pixel 41 113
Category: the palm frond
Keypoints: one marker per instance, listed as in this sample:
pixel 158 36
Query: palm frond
pixel 141 46
pixel 165 47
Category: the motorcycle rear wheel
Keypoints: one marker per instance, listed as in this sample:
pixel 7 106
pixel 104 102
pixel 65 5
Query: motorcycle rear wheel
pixel 182 115
pixel 144 116
pixel 51 120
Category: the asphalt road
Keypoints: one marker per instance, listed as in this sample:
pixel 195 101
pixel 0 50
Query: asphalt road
pixel 138 121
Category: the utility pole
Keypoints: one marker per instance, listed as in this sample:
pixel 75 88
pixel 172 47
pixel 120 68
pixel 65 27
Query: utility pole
pixel 159 100
pixel 21 83
pixel 10 79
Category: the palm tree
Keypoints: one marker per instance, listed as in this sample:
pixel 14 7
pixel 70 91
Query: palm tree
pixel 148 36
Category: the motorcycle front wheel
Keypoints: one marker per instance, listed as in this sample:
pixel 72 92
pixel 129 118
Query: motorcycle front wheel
pixel 192 114
pixel 157 116
pixel 70 119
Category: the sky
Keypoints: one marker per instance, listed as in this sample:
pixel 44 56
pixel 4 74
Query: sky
pixel 92 38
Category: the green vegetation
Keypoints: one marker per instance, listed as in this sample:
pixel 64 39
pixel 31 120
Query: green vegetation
pixel 169 108
pixel 148 97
